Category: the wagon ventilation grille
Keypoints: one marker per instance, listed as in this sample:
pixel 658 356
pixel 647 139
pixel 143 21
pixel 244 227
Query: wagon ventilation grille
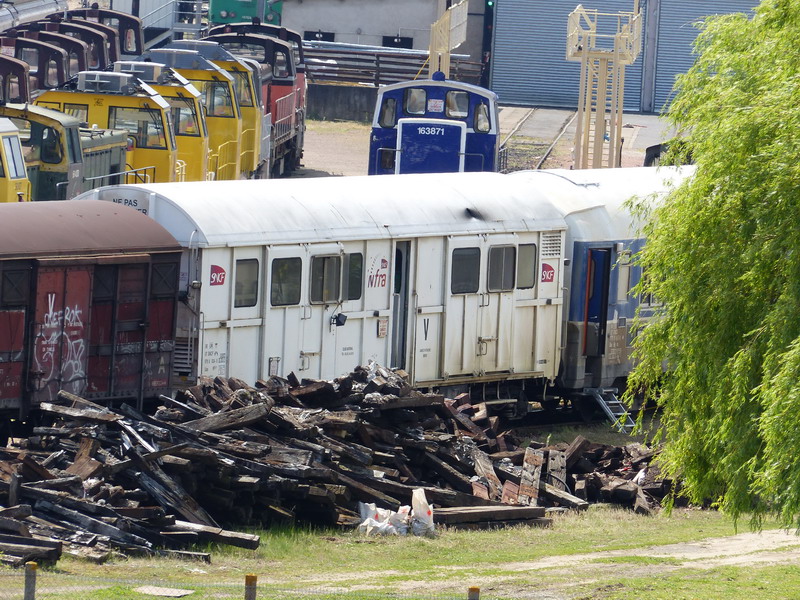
pixel 182 358
pixel 551 245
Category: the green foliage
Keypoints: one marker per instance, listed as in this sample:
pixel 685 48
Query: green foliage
pixel 722 254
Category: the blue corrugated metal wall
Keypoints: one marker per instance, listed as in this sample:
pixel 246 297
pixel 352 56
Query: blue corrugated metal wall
pixel 529 66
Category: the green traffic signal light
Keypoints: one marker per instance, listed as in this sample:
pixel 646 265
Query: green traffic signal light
pixel 490 3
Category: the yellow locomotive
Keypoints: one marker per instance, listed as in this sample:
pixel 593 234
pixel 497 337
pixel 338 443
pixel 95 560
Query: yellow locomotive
pixel 14 183
pixel 191 132
pixel 222 112
pixel 120 101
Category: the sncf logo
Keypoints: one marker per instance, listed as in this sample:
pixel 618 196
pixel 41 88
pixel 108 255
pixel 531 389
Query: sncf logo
pixel 217 275
pixel 548 273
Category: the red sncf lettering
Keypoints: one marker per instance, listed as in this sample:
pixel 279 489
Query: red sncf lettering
pixel 217 275
pixel 548 273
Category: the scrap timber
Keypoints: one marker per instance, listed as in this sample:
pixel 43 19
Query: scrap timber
pixel 222 455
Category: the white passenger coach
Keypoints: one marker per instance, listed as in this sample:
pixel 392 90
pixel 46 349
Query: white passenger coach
pixel 456 278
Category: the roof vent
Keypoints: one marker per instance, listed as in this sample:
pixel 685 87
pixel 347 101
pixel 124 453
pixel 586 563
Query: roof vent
pixel 207 49
pixel 149 72
pixel 106 82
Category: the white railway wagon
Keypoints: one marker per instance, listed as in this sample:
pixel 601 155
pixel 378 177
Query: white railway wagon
pixel 455 278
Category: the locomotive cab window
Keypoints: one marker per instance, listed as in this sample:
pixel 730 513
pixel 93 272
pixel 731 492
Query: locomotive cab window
pixel 482 124
pixel 387 158
pixel 353 275
pixel 388 113
pixel 456 104
pixel 281 67
pixel 14 160
pixel 11 85
pixel 142 124
pixel 39 142
pixel 79 111
pixel 502 262
pixel 286 277
pixel 246 286
pixel 326 272
pixel 526 267
pixel 465 270
pixel 414 103
pixel 244 93
pixel 218 100
pixel 52 73
pixel 184 116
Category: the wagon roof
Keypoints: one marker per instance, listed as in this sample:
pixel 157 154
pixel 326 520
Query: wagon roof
pixel 237 213
pixel 85 227
pixel 593 201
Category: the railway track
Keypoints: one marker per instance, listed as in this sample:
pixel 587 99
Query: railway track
pixel 537 138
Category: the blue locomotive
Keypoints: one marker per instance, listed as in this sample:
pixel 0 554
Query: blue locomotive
pixel 434 126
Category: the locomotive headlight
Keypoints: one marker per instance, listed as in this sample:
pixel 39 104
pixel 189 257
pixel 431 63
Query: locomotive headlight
pixel 232 15
pixel 223 13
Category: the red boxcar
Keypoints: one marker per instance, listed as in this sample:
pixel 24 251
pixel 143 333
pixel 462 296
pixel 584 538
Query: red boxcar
pixel 88 294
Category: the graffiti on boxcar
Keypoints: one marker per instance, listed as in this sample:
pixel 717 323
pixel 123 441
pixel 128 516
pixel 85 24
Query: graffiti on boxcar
pixel 60 354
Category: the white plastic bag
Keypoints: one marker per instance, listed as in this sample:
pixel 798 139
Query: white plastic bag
pixel 421 514
pixel 373 527
pixel 399 520
pixel 381 521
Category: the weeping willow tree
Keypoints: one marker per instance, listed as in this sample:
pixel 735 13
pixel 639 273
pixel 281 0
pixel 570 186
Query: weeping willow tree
pixel 723 254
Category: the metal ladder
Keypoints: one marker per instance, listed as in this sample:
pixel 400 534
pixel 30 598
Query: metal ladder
pixel 614 409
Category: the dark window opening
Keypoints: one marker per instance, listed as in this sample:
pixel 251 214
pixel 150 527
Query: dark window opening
pixel 319 36
pixel 397 41
pixel 326 274
pixel 502 262
pixel 353 275
pixel 246 286
pixel 465 271
pixel 286 278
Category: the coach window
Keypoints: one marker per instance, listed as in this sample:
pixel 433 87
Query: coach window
pixel 16 285
pixel 388 114
pixel 246 283
pixel 526 267
pixel 481 124
pixel 285 288
pixel 456 104
pixel 325 278
pixel 502 261
pixel 415 101
pixel 465 270
pixel 353 275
